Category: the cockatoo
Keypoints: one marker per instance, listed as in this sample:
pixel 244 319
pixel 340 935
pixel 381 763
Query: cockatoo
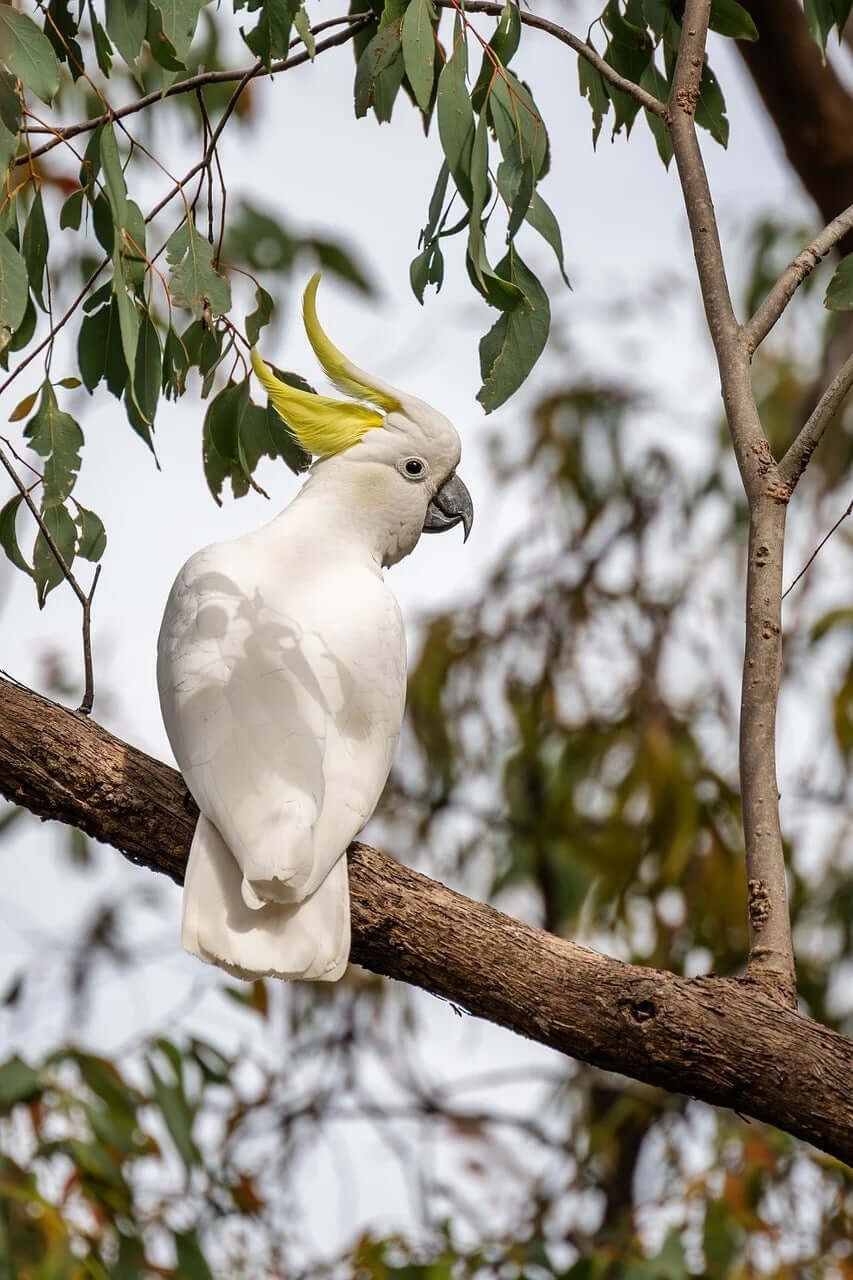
pixel 282 672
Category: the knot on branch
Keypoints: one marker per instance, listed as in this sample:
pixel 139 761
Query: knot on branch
pixel 759 903
pixel 639 1010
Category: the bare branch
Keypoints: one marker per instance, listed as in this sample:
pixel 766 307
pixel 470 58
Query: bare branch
pixel 580 47
pixel 797 457
pixel 717 1039
pixel 771 955
pixel 757 329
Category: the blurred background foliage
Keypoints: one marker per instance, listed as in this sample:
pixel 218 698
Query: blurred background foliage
pixel 570 756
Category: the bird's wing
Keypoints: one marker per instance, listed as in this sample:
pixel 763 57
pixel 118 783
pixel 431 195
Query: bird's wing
pixel 282 689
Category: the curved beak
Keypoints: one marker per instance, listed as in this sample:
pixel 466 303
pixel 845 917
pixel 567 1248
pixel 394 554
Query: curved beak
pixel 451 505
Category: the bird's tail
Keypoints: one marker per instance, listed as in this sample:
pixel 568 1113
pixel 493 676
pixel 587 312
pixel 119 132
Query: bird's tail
pixel 308 939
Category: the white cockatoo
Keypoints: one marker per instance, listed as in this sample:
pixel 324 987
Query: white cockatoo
pixel 282 672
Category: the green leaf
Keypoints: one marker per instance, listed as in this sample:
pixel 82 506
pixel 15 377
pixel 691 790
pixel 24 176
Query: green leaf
pixel 127 24
pixel 263 434
pixel 114 182
pixel 711 107
pixel 518 123
pixel 13 289
pixel 34 246
pixel 220 437
pixel 270 38
pixel 161 46
pixel 654 82
pixel 594 87
pixel 61 30
pixel 18 1083
pixel 418 39
pixel 57 438
pixel 148 373
pixel 629 52
pixel 10 119
pixel 195 282
pixel 380 72
pixel 502 47
pixel 47 571
pixel 71 214
pixel 9 543
pixel 514 343
pixel 103 48
pixel 332 256
pixel 128 316
pixel 133 255
pixel 191 1260
pixel 176 362
pixel 92 344
pixel 92 540
pixel 456 117
pixel 839 293
pixel 174 1106
pixel 257 319
pixel 180 19
pixel 303 26
pixel 539 214
pixel 728 18
pixel 28 53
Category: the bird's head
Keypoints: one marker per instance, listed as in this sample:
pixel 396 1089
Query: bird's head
pixel 398 460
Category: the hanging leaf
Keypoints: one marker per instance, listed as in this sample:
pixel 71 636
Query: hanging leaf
pixel 47 571
pixel 13 289
pixel 270 38
pixel 220 435
pixel 127 24
pixel 418 39
pixel 257 319
pixel 303 26
pixel 514 343
pixel 655 83
pixel 57 438
pixel 34 246
pixel 501 48
pixel 594 87
pixel 195 281
pixel 9 537
pixel 21 410
pixel 456 117
pixel 92 536
pixel 176 362
pixel 179 22
pixel 71 213
pixel 380 72
pixel 711 107
pixel 28 54
pixel 839 293
pixel 729 18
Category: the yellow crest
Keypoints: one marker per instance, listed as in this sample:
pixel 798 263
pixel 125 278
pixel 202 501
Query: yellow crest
pixel 321 424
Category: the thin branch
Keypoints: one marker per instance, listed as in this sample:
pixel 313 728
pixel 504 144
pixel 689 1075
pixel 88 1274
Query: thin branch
pixel 757 329
pixel 354 24
pixel 771 956
pixel 819 548
pixel 717 1039
pixel 580 47
pixel 797 457
pixel 88 670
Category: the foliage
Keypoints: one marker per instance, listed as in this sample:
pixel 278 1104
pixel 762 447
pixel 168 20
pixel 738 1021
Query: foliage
pixel 571 729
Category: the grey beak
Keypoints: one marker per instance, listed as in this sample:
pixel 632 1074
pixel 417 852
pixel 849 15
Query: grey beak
pixel 451 505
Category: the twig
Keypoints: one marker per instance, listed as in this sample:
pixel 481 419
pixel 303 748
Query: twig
pixel 354 24
pixel 89 687
pixel 757 329
pixel 771 957
pixel 819 548
pixel 797 457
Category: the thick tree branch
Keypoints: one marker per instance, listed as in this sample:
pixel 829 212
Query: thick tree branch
pixel 771 955
pixel 717 1039
pixel 757 329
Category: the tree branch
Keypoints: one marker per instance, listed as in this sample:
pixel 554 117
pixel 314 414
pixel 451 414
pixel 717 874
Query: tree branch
pixel 757 329
pixel 580 47
pixel 355 23
pixel 797 457
pixel 717 1039
pixel 771 954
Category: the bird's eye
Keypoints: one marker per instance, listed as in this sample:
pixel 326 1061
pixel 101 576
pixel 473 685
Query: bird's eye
pixel 413 468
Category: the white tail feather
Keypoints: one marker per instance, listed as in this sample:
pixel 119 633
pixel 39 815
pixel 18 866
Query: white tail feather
pixel 309 939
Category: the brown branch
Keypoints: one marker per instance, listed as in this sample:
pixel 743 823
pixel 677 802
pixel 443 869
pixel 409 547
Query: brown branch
pixel 717 1039
pixel 354 24
pixel 797 458
pixel 580 47
pixel 757 329
pixel 771 956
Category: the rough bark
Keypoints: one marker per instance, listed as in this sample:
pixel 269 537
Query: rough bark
pixel 721 1040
